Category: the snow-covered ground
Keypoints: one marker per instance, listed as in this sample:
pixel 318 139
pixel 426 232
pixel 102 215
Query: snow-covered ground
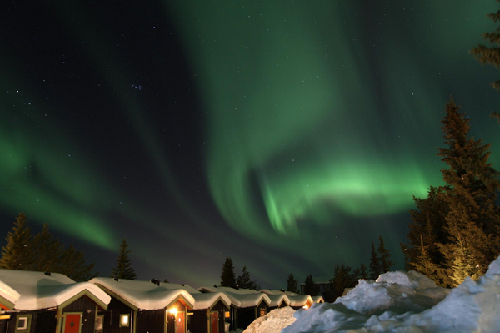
pixel 398 302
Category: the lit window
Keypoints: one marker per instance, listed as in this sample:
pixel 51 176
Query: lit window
pixel 228 314
pixel 98 324
pixel 22 323
pixel 124 320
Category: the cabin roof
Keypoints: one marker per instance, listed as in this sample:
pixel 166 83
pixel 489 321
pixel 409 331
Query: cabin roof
pixel 299 300
pixel 143 295
pixel 277 292
pixel 242 298
pixel 8 294
pixel 207 300
pixel 277 299
pixel 38 290
pixel 317 299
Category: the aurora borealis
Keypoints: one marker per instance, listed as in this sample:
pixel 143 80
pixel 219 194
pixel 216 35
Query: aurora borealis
pixel 287 135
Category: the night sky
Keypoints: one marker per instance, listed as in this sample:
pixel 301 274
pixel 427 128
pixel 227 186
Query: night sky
pixel 287 135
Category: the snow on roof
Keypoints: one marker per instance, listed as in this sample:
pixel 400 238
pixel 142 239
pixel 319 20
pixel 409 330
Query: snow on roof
pixel 40 291
pixel 144 295
pixel 9 294
pixel 205 301
pixel 277 292
pixel 299 300
pixel 317 299
pixel 277 299
pixel 175 286
pixel 242 298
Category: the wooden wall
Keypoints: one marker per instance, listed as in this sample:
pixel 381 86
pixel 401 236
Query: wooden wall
pixel 198 321
pixel 42 321
pixel 151 321
pixel 111 317
pixel 88 309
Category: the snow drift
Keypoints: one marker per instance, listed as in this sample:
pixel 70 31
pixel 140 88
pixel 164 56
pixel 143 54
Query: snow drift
pixel 273 322
pixel 407 302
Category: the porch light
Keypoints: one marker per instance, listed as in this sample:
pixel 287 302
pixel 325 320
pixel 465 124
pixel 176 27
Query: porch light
pixel 173 311
pixel 227 314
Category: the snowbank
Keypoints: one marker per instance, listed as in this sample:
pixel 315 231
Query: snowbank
pixel 408 302
pixel 273 322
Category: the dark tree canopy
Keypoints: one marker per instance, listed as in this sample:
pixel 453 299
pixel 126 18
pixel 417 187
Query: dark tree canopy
pixel 454 232
pixel 244 280
pixel 310 287
pixel 17 253
pixel 291 284
pixel 43 253
pixel 375 268
pixel 342 278
pixel 490 55
pixel 385 262
pixel 123 269
pixel 228 277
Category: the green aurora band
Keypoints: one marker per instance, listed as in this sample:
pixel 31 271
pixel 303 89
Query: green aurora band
pixel 315 114
pixel 318 118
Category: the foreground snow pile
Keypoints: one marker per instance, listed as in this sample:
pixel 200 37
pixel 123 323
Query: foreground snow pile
pixel 273 322
pixel 408 302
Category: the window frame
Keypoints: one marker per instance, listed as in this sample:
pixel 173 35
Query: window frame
pixel 27 327
pixel 121 320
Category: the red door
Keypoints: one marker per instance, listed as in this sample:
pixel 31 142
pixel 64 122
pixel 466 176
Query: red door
pixel 214 322
pixel 180 322
pixel 72 323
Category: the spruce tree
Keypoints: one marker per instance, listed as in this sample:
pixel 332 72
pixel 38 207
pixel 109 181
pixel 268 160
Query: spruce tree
pixel 243 281
pixel 47 252
pixel 426 228
pixel 385 262
pixel 342 279
pixel 72 264
pixel 363 272
pixel 310 287
pixel 228 277
pixel 123 269
pixel 291 284
pixel 473 216
pixel 460 219
pixel 375 268
pixel 17 254
pixel 490 55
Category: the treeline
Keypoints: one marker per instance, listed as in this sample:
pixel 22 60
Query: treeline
pixel 41 252
pixel 229 279
pixel 345 276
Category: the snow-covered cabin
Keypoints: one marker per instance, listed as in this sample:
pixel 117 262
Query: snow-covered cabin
pixel 246 305
pixel 317 299
pixel 278 301
pixel 300 301
pixel 143 306
pixel 51 302
pixel 8 296
pixel 209 312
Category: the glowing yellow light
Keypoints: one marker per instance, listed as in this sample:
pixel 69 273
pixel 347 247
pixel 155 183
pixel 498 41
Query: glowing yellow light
pixel 124 320
pixel 228 314
pixel 173 311
pixel 305 307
